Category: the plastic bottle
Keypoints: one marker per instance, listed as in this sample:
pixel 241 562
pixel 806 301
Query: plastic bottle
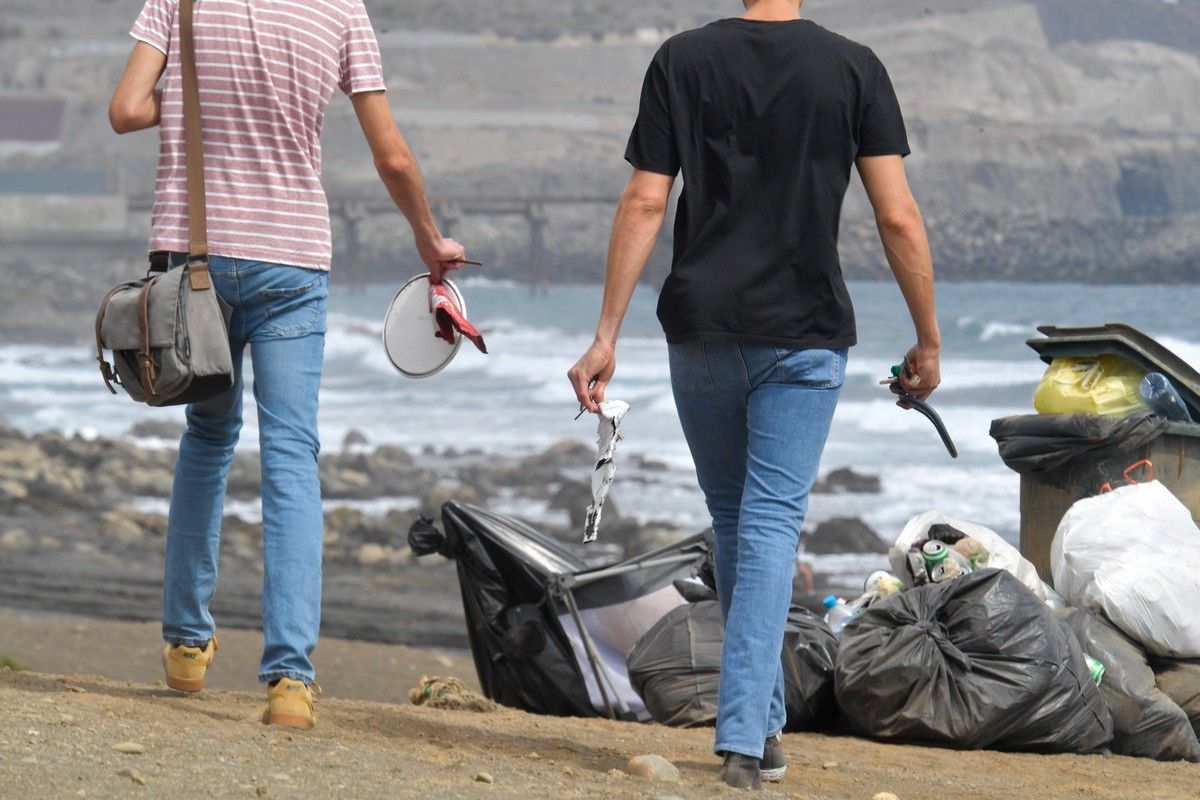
pixel 881 584
pixel 1158 393
pixel 837 614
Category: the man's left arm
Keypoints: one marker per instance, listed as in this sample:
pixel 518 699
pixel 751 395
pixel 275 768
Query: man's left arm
pixel 136 103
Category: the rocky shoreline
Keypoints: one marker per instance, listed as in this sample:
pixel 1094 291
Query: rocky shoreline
pixel 83 526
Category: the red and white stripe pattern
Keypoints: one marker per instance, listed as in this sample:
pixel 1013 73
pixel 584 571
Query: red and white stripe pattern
pixel 266 69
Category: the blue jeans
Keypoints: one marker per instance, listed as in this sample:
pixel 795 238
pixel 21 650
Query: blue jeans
pixel 280 312
pixel 756 419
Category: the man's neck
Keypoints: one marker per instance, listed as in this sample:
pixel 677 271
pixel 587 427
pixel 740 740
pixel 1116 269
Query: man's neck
pixel 772 11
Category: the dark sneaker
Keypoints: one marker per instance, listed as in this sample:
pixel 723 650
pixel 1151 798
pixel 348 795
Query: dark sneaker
pixel 774 762
pixel 741 772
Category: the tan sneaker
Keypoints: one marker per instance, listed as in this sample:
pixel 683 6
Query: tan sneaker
pixel 186 666
pixel 290 703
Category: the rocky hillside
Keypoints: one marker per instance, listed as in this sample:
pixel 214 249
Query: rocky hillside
pixel 1053 139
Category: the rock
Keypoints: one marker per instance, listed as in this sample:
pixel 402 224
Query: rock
pixel 574 497
pixel 120 525
pixel 843 535
pixel 354 438
pixel 133 775
pixel 484 777
pixel 15 539
pixel 438 494
pixel 829 765
pixel 171 430
pixel 129 748
pixel 569 452
pixel 652 767
pixel 847 481
pixel 12 492
pixel 667 797
pixel 351 527
pixel 370 554
pixel 884 796
pixel 260 791
pixel 616 773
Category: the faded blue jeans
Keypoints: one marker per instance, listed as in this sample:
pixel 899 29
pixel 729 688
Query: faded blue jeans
pixel 756 419
pixel 279 311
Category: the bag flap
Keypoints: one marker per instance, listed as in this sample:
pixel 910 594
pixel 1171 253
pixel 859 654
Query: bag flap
pixel 121 329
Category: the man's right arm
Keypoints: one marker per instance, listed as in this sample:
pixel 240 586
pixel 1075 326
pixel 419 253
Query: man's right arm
pixel 902 231
pixel 398 169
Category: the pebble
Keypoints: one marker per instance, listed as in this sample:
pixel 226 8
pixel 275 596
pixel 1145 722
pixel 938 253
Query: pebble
pixel 568 771
pixel 261 791
pixel 654 767
pixel 829 765
pixel 129 748
pixel 616 773
pixel 133 775
pixel 370 554
pixel 884 796
pixel 533 756
pixel 484 777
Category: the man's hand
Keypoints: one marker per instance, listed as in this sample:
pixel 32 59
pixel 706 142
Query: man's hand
pixel 925 363
pixel 442 255
pixel 591 374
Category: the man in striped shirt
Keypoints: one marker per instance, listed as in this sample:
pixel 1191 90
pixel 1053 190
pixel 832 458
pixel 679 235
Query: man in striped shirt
pixel 266 72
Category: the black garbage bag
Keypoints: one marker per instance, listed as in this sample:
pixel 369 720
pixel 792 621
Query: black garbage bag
pixel 1146 722
pixel 676 666
pixel 809 655
pixel 975 662
pixel 1179 679
pixel 1042 442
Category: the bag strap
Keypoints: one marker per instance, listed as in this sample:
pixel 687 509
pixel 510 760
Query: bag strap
pixel 194 152
pixel 147 370
pixel 106 369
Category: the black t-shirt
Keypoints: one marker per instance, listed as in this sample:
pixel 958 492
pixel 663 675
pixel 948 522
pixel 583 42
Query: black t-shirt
pixel 765 119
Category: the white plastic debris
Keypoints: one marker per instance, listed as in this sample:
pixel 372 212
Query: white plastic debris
pixel 609 433
pixel 1134 555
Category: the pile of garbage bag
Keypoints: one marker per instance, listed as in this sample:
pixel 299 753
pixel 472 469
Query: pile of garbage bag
pixel 973 662
pixel 963 646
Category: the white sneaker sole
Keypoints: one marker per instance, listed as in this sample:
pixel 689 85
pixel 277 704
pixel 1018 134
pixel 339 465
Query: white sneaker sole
pixel 773 775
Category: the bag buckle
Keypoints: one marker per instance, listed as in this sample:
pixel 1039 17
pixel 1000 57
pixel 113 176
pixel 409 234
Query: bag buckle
pixel 149 373
pixel 110 377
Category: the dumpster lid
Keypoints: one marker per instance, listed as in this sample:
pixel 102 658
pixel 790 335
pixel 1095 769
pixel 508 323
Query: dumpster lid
pixel 1125 341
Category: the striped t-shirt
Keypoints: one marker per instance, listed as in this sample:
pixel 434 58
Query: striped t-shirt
pixel 266 71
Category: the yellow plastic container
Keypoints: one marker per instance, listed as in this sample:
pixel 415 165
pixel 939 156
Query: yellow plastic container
pixel 1100 385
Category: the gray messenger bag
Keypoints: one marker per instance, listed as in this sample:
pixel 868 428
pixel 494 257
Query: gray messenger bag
pixel 169 332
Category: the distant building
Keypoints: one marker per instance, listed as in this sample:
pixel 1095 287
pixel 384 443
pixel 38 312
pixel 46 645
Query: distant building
pixel 30 125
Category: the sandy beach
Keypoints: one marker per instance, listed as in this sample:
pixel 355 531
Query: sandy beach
pixel 58 730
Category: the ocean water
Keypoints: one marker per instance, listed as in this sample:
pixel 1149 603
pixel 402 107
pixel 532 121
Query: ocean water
pixel 517 399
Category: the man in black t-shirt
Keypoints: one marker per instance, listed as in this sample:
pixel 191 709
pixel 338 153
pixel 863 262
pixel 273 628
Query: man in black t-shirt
pixel 764 115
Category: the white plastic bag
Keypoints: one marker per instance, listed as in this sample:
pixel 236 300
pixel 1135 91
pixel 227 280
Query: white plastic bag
pixel 1001 554
pixel 1134 554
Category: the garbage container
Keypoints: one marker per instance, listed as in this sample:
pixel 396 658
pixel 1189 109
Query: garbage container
pixel 1174 459
pixel 1173 451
